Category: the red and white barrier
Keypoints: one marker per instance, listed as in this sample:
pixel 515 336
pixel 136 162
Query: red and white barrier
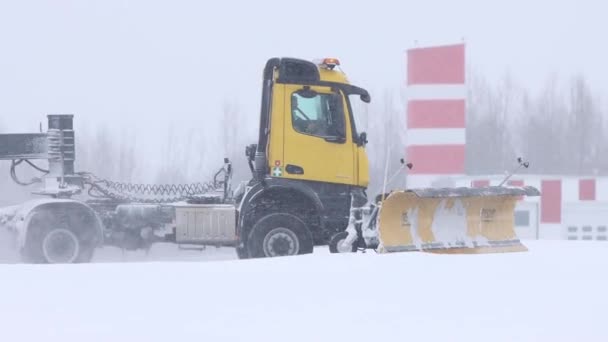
pixel 574 208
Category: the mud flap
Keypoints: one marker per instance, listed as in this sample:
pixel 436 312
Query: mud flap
pixel 452 220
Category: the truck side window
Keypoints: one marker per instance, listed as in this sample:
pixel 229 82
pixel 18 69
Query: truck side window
pixel 318 114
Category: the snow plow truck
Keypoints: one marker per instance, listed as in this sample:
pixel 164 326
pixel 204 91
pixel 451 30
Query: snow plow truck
pixel 309 175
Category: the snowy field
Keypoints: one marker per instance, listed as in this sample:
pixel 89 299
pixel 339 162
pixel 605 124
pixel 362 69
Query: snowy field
pixel 555 292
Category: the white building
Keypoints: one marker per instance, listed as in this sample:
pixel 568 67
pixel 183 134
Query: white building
pixel 573 208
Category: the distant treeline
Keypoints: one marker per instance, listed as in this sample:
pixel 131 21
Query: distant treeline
pixel 560 130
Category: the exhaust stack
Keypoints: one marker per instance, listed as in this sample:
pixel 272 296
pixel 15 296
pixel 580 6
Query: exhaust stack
pixel 61 181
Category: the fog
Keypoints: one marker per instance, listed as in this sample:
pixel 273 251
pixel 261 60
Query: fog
pixel 149 73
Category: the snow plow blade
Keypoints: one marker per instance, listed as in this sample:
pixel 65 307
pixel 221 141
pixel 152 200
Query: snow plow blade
pixel 451 220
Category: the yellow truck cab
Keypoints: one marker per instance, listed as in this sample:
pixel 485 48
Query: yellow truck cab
pixel 309 165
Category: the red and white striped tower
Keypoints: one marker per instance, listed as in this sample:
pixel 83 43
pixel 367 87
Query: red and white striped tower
pixel 436 96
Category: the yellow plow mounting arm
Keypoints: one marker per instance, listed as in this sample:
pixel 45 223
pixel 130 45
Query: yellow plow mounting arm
pixel 451 220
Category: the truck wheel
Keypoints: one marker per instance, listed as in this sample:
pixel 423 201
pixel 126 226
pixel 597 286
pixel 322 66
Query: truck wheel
pixel 60 246
pixel 242 253
pixel 51 240
pixel 279 235
pixel 335 244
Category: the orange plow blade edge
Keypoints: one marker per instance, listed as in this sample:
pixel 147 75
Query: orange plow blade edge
pixel 451 220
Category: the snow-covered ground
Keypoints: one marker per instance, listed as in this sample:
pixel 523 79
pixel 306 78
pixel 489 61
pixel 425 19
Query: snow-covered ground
pixel 554 292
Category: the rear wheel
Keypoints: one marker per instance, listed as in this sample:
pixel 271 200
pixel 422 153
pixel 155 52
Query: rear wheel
pixel 335 244
pixel 279 235
pixel 60 246
pixel 52 239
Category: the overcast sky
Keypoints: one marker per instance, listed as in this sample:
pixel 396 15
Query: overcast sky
pixel 148 63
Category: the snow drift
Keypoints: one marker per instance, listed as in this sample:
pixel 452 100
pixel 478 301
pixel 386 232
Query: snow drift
pixel 555 292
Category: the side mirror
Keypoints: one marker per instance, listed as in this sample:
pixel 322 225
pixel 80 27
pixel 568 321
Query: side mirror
pixel 362 139
pixel 365 98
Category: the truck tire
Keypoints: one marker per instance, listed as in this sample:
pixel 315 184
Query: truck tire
pixel 336 240
pixel 52 239
pixel 279 235
pixel 242 253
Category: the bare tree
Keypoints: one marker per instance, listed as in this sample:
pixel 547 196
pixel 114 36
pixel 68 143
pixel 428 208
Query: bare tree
pixel 585 127
pixel 386 128
pixel 562 131
pixel 490 145
pixel 174 158
pixel 236 135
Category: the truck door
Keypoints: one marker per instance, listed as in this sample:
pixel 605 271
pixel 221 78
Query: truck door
pixel 318 144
